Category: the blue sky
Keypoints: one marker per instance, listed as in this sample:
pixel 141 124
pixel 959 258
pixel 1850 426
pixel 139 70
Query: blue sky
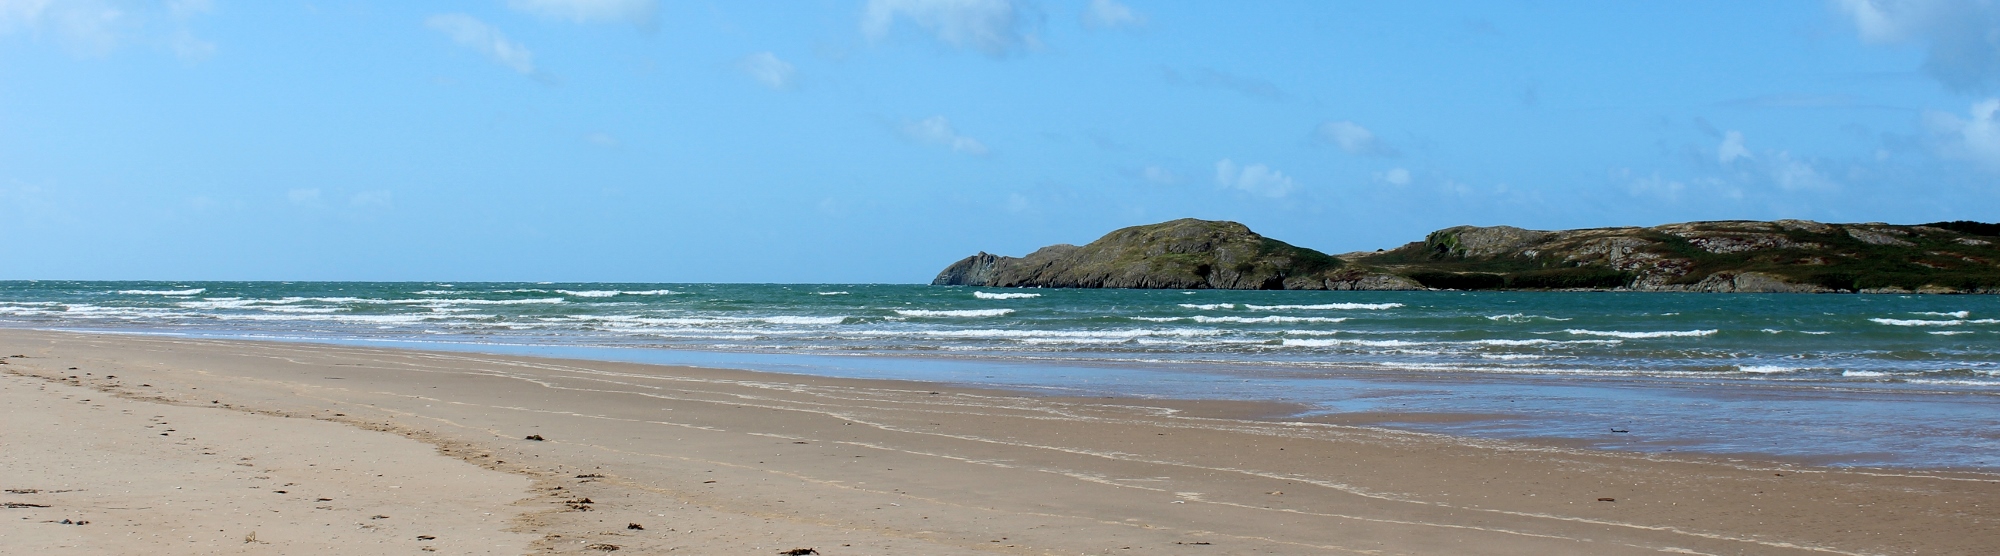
pixel 879 140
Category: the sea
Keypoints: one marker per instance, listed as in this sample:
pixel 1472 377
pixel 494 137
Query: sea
pixel 1877 381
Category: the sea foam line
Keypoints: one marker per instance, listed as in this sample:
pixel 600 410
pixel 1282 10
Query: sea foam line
pixel 1325 306
pixel 954 313
pixel 990 295
pixel 1636 335
pixel 190 291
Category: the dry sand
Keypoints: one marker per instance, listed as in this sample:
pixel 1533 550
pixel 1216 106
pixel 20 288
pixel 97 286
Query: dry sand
pixel 711 461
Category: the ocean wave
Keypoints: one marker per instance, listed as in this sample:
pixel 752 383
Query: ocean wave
pixel 830 293
pixel 613 293
pixel 433 302
pixel 1952 314
pixel 1521 317
pixel 989 295
pixel 1244 320
pixel 190 291
pixel 1325 306
pixel 1208 306
pixel 435 292
pixel 1863 374
pixel 954 312
pixel 1766 369
pixel 1012 334
pixel 1950 332
pixel 1917 322
pixel 1335 342
pixel 1638 335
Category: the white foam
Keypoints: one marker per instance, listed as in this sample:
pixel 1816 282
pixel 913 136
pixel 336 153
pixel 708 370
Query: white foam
pixel 1637 335
pixel 1953 314
pixel 613 293
pixel 1917 322
pixel 788 319
pixel 1509 356
pixel 988 295
pixel 1765 369
pixel 435 302
pixel 1208 306
pixel 191 291
pixel 1863 374
pixel 1520 317
pixel 1127 333
pixel 1325 306
pixel 830 293
pixel 1334 342
pixel 1951 332
pixel 954 313
pixel 1244 320
pixel 435 292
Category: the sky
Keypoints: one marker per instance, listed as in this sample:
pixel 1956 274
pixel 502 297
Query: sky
pixel 846 141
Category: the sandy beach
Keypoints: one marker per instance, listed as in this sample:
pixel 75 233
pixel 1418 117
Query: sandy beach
pixel 166 445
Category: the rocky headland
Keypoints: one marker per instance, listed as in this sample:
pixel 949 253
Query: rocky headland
pixel 1724 256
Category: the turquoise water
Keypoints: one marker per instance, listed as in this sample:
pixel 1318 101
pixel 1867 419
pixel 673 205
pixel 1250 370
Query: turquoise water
pixel 1839 379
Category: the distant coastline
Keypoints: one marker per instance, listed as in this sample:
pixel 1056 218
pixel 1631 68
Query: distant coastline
pixel 1783 256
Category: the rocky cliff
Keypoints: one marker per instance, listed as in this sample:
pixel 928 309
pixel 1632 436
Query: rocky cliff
pixel 1182 254
pixel 1729 256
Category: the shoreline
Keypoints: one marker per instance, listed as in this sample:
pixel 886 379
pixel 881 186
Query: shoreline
pixel 895 368
pixel 1074 470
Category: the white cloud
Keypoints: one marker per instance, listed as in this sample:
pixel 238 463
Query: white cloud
pixel 184 9
pixel 601 139
pixel 1963 52
pixel 377 198
pixel 1354 139
pixel 936 130
pixel 190 48
pixel 1110 13
pixel 303 196
pixel 1158 175
pixel 1016 203
pixel 1395 176
pixel 637 12
pixel 98 27
pixel 1732 148
pixel 1976 138
pixel 991 26
pixel 86 27
pixel 472 33
pixel 1793 174
pixel 1255 178
pixel 766 68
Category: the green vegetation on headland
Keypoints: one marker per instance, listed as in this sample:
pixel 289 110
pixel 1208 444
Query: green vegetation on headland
pixel 1727 256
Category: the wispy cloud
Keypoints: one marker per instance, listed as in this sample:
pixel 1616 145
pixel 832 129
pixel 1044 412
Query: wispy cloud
pixel 472 33
pixel 94 28
pixel 1111 13
pixel 1354 139
pixel 766 68
pixel 640 13
pixel 1210 78
pixel 936 130
pixel 601 139
pixel 1975 137
pixel 1395 176
pixel 1159 175
pixel 1731 148
pixel 1962 52
pixel 1255 178
pixel 995 27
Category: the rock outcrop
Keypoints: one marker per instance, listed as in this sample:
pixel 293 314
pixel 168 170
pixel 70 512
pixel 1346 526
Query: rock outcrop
pixel 1784 256
pixel 1182 254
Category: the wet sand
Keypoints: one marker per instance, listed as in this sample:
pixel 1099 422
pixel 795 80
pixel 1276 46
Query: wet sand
pixel 708 461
